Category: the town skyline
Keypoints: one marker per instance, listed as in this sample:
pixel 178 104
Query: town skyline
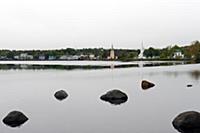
pixel 190 52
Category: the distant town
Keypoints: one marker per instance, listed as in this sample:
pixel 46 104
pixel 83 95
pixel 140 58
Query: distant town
pixel 173 52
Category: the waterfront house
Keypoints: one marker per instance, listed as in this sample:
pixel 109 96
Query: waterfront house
pixel 41 57
pixel 29 57
pixel 92 57
pixel 69 57
pixel 24 56
pixel 16 57
pixel 178 55
pixel 3 57
pixel 51 57
pixel 74 57
pixel 63 57
pixel 83 57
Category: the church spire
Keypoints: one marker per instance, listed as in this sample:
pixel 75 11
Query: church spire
pixel 112 53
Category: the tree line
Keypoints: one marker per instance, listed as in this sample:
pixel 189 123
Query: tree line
pixel 191 51
pixel 101 53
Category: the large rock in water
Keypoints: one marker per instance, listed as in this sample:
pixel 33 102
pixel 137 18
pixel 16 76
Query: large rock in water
pixel 115 97
pixel 60 95
pixel 146 84
pixel 187 122
pixel 15 119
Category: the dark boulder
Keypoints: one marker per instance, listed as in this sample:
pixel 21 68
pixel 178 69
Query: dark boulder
pixel 15 119
pixel 60 95
pixel 115 97
pixel 146 84
pixel 187 122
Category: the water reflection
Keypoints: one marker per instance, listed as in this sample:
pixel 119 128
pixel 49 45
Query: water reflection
pixel 116 101
pixel 86 110
pixel 112 66
pixel 195 74
pixel 71 67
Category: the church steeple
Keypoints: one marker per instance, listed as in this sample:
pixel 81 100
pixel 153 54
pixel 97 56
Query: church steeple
pixel 112 53
pixel 112 48
pixel 141 56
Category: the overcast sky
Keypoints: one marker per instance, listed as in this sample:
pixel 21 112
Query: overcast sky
pixel 49 24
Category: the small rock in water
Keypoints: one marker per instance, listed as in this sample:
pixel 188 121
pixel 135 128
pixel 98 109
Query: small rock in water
pixel 146 84
pixel 15 119
pixel 187 122
pixel 115 97
pixel 189 85
pixel 60 95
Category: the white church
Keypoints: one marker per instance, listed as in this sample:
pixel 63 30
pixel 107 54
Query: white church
pixel 112 54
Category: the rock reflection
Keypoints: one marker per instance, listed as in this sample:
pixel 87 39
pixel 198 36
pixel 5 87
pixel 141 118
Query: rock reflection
pixel 71 67
pixel 115 97
pixel 195 74
pixel 15 119
pixel 173 73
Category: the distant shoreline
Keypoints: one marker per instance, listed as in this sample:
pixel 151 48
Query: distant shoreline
pixel 170 53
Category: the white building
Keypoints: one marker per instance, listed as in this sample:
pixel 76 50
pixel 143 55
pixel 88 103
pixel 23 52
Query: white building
pixel 63 57
pixel 24 56
pixel 51 58
pixel 3 57
pixel 29 57
pixel 69 57
pixel 92 57
pixel 141 55
pixel 112 54
pixel 74 57
pixel 178 54
pixel 41 57
pixel 16 57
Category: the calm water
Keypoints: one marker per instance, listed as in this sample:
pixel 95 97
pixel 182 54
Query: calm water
pixel 146 111
pixel 65 62
pixel 84 63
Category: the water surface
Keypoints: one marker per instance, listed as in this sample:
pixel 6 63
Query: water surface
pixel 146 111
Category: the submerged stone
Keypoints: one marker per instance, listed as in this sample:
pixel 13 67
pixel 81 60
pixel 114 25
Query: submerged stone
pixel 146 84
pixel 115 97
pixel 61 95
pixel 15 119
pixel 187 122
